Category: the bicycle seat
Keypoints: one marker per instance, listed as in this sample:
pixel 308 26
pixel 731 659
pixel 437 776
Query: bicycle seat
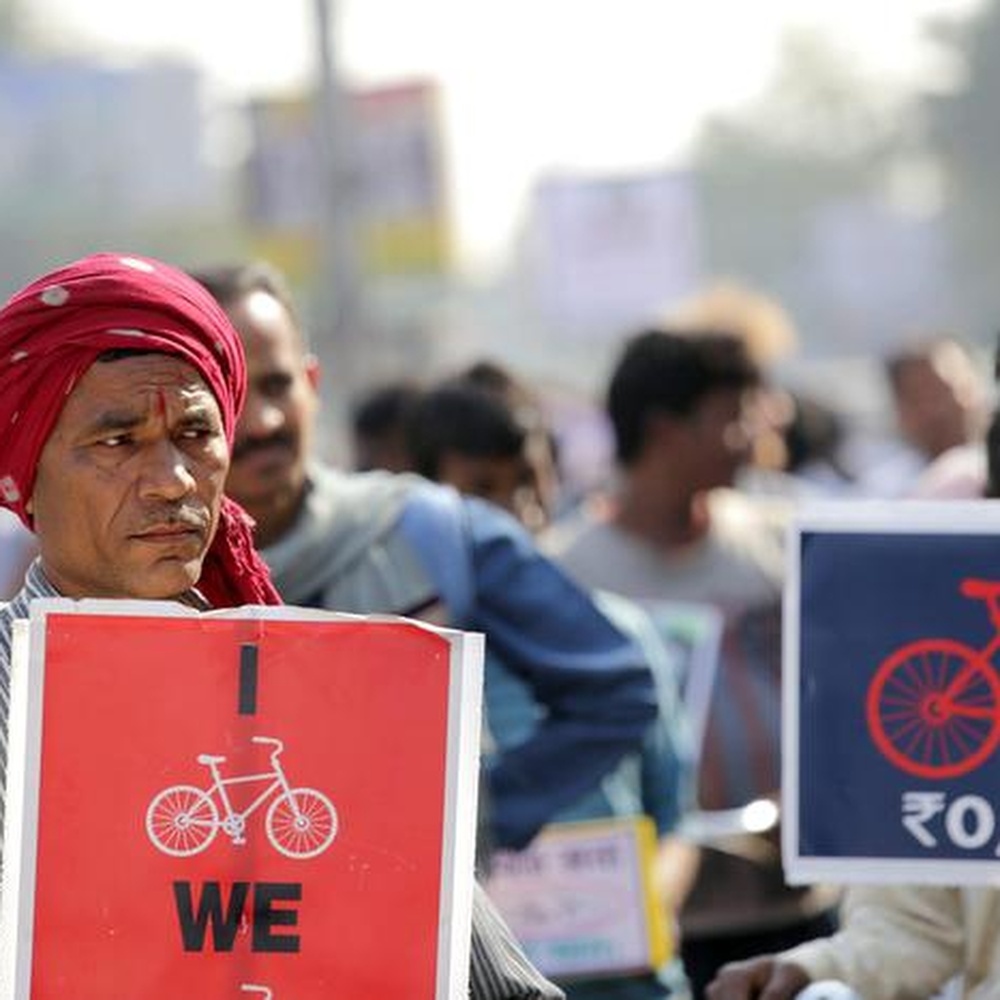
pixel 972 587
pixel 207 758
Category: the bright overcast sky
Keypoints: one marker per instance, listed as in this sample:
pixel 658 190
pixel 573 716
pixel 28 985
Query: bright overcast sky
pixel 528 85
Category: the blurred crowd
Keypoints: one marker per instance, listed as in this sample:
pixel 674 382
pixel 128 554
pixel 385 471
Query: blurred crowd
pixel 712 451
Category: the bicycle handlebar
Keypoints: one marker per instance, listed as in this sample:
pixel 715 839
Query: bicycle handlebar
pixel 972 587
pixel 268 740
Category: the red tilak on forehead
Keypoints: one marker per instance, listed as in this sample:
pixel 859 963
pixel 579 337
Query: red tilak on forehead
pixel 161 403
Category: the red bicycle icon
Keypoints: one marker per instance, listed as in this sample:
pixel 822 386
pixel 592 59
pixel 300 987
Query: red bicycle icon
pixel 933 706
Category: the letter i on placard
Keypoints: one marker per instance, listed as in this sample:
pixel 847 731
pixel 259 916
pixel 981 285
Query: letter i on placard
pixel 247 698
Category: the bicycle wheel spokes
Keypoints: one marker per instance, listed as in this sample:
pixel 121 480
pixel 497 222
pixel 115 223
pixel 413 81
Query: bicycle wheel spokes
pixel 972 711
pixel 966 683
pixel 182 820
pixel 933 708
pixel 302 823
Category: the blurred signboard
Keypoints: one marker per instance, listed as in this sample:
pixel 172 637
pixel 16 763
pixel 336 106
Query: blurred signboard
pixel 879 272
pixel 395 179
pixel 77 142
pixel 616 250
pixel 402 194
pixel 892 693
pixel 581 900
pixel 198 804
pixel 283 171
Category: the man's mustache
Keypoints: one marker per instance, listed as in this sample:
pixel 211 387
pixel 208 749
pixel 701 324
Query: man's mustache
pixel 187 518
pixel 248 445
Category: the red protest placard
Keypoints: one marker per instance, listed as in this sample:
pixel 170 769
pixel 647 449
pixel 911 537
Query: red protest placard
pixel 228 805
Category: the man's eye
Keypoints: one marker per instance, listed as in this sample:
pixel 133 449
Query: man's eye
pixel 275 386
pixel 114 441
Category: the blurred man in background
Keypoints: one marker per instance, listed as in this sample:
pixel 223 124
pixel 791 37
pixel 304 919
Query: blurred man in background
pixel 473 432
pixel 895 941
pixel 940 408
pixel 401 545
pixel 379 420
pixel 682 408
pixel 467 433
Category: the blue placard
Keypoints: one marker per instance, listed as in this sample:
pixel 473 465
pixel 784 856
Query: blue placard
pixel 892 698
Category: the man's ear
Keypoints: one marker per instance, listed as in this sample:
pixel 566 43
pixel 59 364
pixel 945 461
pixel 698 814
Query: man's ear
pixel 312 370
pixel 30 506
pixel 661 429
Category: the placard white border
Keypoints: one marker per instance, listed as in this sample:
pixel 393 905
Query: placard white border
pixel 458 856
pixel 24 735
pixel 24 741
pixel 939 517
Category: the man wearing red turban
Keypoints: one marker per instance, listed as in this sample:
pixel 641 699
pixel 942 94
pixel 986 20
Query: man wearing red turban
pixel 121 381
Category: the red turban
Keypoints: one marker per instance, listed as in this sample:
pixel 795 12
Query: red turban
pixel 52 331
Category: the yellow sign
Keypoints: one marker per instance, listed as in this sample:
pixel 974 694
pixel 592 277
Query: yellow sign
pixel 581 898
pixel 399 200
pixel 293 252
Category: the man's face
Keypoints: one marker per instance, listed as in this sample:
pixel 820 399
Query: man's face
pixel 525 484
pixel 503 480
pixel 713 443
pixel 274 433
pixel 939 400
pixel 129 483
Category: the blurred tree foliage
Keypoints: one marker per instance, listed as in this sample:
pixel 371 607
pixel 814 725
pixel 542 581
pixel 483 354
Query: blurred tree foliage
pixel 963 132
pixel 826 130
pixel 822 130
pixel 9 23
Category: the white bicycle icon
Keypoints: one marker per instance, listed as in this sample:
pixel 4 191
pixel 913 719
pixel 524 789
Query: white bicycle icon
pixel 183 819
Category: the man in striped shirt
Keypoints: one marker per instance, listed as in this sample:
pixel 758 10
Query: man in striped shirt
pixel 120 385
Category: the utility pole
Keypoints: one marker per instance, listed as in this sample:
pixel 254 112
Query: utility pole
pixel 10 24
pixel 340 312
